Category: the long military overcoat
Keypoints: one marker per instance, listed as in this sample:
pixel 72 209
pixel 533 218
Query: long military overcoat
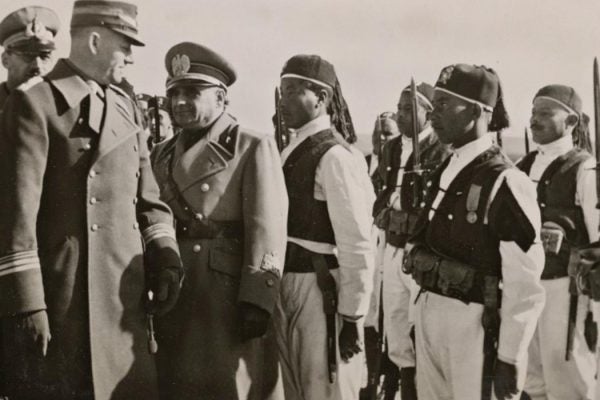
pixel 78 199
pixel 231 177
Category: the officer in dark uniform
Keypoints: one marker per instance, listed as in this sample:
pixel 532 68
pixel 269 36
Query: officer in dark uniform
pixel 477 246
pixel 225 186
pixel 78 207
pixel 27 36
pixel 562 363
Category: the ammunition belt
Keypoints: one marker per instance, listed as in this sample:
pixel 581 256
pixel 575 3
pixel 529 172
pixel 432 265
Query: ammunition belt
pixel 401 226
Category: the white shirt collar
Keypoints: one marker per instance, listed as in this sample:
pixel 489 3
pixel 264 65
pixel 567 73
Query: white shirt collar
pixel 472 149
pixel 556 148
pixel 311 127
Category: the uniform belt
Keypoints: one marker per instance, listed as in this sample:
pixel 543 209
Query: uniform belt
pixel 299 260
pixel 209 229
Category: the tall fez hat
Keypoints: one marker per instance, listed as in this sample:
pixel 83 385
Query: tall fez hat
pixel 472 83
pixel 424 92
pixel 117 16
pixel 194 63
pixel 563 95
pixel 310 68
pixel 29 29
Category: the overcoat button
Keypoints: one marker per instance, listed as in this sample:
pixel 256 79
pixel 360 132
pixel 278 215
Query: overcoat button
pixel 428 184
pixel 204 187
pixel 135 200
pixel 196 248
pixel 93 200
pixel 87 146
pixel 422 204
pixel 94 227
pixel 136 225
pixel 388 169
pixel 450 217
pixel 137 174
pixel 270 282
pixel 92 173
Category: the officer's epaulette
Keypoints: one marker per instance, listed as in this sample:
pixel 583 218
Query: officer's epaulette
pixel 28 84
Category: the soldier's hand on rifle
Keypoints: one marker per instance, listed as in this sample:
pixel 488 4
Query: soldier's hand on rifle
pixel 35 328
pixel 165 287
pixel 254 321
pixel 350 343
pixel 505 380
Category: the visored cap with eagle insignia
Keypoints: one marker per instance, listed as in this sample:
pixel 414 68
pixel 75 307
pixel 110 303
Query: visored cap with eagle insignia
pixel 29 29
pixel 192 63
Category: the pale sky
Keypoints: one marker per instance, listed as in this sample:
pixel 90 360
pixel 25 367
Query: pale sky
pixel 375 46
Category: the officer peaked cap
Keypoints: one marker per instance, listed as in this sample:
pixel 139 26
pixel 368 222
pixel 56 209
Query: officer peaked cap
pixel 118 16
pixel 189 62
pixel 29 29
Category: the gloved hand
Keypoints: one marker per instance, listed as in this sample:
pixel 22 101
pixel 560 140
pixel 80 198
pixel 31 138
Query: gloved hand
pixel 350 343
pixel 408 388
pixel 165 286
pixel 36 329
pixel 254 321
pixel 505 380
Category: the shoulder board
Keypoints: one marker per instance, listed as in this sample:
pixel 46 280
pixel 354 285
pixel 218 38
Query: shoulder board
pixel 28 84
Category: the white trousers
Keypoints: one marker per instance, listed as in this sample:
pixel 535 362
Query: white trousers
pixel 301 336
pixel 399 292
pixel 449 347
pixel 549 375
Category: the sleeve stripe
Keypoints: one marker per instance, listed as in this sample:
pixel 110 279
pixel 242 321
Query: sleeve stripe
pixel 18 256
pixel 20 262
pixel 158 231
pixel 14 270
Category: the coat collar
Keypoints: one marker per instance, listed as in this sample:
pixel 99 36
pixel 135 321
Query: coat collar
pixel 206 157
pixel 68 81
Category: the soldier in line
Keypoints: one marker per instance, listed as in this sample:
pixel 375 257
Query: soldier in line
pixel 396 211
pixel 384 130
pixel 329 209
pixel 227 191
pixel 27 36
pixel 77 198
pixel 477 246
pixel 562 363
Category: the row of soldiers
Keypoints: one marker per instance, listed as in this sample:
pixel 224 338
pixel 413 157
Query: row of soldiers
pixel 252 265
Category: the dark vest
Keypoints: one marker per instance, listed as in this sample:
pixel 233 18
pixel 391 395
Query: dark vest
pixel 556 197
pixel 308 218
pixel 457 230
pixel 389 167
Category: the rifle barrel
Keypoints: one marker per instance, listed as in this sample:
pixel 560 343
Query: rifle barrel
pixel 597 127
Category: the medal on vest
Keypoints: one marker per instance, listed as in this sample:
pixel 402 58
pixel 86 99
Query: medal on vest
pixel 471 217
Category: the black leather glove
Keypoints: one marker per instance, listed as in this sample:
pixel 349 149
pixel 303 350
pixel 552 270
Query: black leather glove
pixel 408 388
pixel 254 321
pixel 505 380
pixel 165 287
pixel 350 343
pixel 36 329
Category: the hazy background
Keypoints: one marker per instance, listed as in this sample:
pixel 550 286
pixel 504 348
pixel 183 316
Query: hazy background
pixel 375 46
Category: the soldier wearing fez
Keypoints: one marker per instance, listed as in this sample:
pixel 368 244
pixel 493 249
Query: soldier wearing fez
pixel 79 204
pixel 396 211
pixel 324 295
pixel 562 363
pixel 27 36
pixel 476 255
pixel 225 186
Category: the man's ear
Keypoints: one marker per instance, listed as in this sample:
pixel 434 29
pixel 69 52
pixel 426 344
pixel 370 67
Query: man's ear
pixel 221 97
pixel 477 111
pixel 5 60
pixel 323 96
pixel 94 42
pixel 572 120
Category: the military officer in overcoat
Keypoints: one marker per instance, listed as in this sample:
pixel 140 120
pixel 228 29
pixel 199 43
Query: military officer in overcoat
pixel 225 186
pixel 78 205
pixel 27 36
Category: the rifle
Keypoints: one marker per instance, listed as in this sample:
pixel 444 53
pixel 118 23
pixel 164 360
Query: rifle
pixel 526 141
pixel 416 151
pixel 156 116
pixel 597 127
pixel 282 136
pixel 499 138
pixel 491 328
pixel 328 289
